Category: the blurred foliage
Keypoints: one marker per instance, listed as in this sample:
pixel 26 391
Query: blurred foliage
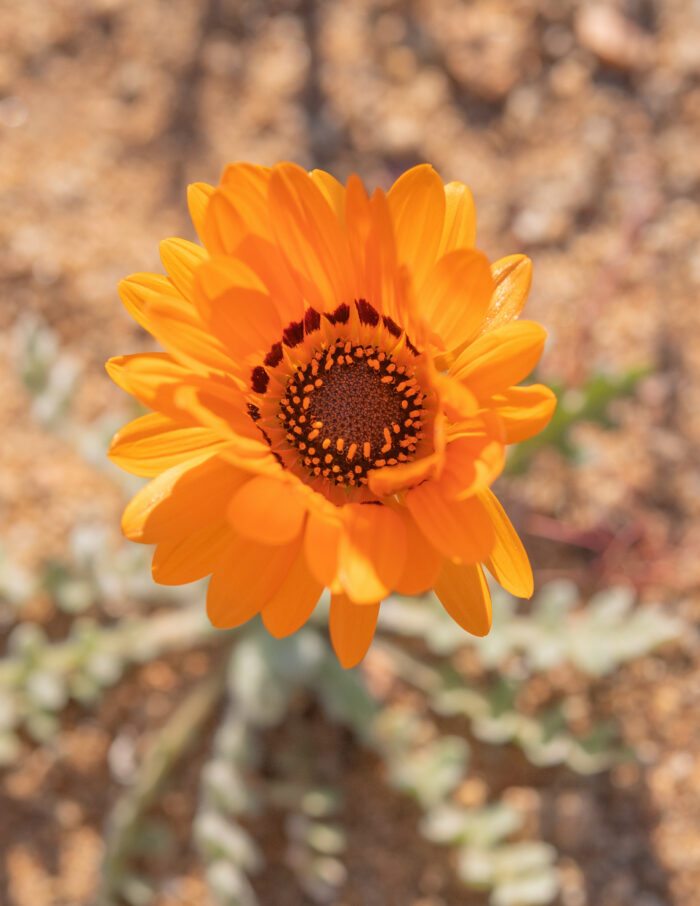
pixel 96 585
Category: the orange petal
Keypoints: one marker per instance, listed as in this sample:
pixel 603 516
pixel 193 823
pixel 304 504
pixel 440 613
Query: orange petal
pixel 270 266
pixel 151 377
pixel 310 236
pixel 153 443
pixel 460 529
pixel 512 277
pixel 471 463
pixel 234 303
pixel 158 305
pixel 245 579
pixel 193 557
pixel 237 207
pixel 183 333
pixel 417 205
pixel 333 191
pixel 390 479
pixel 198 195
pixel 293 602
pixel 456 295
pixel 267 510
pixel 138 290
pixel 524 411
pixel 181 259
pixel 422 560
pixel 351 629
pixel 358 223
pixel 321 543
pixel 372 552
pixel 181 500
pixel 220 409
pixel 459 231
pixel 458 402
pixel 500 358
pixel 385 279
pixel 508 562
pixel 464 594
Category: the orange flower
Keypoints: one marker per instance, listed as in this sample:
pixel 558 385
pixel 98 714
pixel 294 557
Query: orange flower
pixel 334 402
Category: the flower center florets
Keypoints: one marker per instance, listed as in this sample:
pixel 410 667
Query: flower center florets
pixel 352 409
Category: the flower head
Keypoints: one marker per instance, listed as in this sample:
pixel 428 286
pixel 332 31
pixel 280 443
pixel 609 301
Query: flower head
pixel 334 402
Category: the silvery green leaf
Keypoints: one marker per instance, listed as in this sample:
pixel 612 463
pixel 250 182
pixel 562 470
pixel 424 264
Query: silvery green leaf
pixel 527 857
pixel 221 839
pixel 345 698
pixel 497 730
pixel 84 689
pixel 226 788
pixel 479 827
pixel 324 875
pixel 531 890
pixel 297 657
pixel 235 741
pixel 10 748
pixel 104 667
pixel 229 885
pixel 554 601
pixel 476 866
pixel 74 595
pixel 260 696
pixel 432 771
pixel 328 839
pixel 26 640
pixel 46 690
pixel 9 710
pixel 320 802
pixel 136 891
pixel 41 726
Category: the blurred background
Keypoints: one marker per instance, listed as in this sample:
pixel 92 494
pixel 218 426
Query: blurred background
pixel 147 760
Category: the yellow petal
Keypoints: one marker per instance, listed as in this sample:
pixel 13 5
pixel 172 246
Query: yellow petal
pixel 508 562
pixel 153 443
pixel 333 191
pixel 471 463
pixel 267 510
pixel 155 302
pixel 237 308
pixel 181 500
pixel 464 594
pixel 500 358
pixel 512 277
pixel 310 236
pixel 198 195
pixel 181 259
pixel 237 208
pixel 417 205
pixel 456 295
pixel 351 629
pixel 372 552
pixel 460 529
pixel 459 230
pixel 151 377
pixel 524 411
